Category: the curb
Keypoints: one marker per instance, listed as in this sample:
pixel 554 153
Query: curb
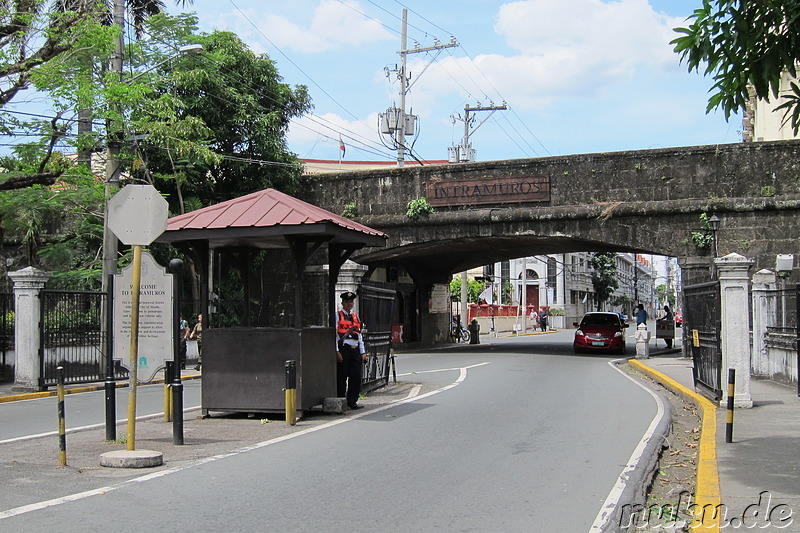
pixel 635 490
pixel 707 491
pixel 76 390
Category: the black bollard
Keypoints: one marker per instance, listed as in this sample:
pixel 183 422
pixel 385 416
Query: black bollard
pixel 731 392
pixel 474 332
pixel 110 384
pixel 176 267
pixel 177 409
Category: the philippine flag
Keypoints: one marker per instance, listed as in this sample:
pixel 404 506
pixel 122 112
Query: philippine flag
pixel 341 146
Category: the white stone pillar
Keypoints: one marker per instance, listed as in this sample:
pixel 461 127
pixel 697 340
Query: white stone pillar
pixel 28 283
pixel 642 342
pixel 734 281
pixel 765 283
pixel 350 276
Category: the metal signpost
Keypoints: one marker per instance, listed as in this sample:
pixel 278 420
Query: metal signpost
pixel 137 214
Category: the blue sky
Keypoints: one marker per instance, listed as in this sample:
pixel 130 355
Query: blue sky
pixel 579 76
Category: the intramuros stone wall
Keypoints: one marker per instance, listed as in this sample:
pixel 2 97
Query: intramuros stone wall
pixel 648 200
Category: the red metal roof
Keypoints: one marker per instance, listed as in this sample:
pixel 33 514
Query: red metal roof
pixel 263 209
pixel 269 210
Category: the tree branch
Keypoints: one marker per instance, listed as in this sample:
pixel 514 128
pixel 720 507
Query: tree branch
pixel 26 180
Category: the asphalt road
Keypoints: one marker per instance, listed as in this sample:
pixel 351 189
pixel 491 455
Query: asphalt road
pixel 40 416
pixel 518 435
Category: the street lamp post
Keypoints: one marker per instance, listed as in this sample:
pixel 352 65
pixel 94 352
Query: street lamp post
pixel 713 225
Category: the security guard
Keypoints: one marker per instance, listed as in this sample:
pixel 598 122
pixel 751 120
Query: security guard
pixel 350 351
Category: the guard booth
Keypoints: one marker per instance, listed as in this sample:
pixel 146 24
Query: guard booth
pixel 252 256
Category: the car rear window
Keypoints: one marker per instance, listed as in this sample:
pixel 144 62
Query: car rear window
pixel 600 320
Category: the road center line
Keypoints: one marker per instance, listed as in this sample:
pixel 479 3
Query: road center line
pixel 91 426
pixel 17 511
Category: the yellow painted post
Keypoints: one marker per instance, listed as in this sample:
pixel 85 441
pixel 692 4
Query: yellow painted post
pixel 134 354
pixel 290 396
pixel 167 391
pixel 731 394
pixel 62 432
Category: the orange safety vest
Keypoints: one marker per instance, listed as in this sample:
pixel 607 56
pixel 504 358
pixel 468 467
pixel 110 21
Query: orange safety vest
pixel 344 324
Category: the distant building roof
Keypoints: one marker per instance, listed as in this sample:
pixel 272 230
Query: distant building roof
pixel 321 166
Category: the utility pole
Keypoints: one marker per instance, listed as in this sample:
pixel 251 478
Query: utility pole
pixel 465 153
pixel 395 122
pixel 113 144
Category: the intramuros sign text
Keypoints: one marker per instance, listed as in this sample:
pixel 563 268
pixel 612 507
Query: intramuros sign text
pixel 512 189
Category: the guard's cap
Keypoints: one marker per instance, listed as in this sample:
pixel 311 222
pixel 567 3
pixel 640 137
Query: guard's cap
pixel 348 296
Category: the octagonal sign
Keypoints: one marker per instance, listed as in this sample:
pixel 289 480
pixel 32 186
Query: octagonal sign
pixel 137 214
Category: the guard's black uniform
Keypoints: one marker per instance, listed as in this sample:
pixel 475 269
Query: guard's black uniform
pixel 350 372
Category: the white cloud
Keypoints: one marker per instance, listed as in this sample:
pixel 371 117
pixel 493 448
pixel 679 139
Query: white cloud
pixel 566 49
pixel 332 25
pixel 618 35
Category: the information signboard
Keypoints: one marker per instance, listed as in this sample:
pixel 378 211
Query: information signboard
pixel 440 298
pixel 156 324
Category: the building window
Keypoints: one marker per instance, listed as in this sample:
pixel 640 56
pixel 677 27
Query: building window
pixel 551 272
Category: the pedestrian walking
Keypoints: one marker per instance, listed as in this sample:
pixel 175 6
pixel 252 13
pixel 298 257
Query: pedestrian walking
pixel 669 320
pixel 197 333
pixel 641 315
pixel 183 335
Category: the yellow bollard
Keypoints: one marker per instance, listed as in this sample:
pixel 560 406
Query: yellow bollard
pixel 62 431
pixel 290 396
pixel 167 393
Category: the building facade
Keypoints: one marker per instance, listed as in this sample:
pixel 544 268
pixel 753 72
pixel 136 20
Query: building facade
pixel 563 282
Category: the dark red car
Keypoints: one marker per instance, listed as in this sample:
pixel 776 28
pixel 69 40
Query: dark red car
pixel 601 332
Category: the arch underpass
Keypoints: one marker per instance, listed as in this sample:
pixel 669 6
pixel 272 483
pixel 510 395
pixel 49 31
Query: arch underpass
pixel 637 201
pixel 646 201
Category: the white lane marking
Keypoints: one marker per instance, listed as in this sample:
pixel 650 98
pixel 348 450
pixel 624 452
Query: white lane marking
pixel 10 513
pixel 442 369
pixel 607 509
pixel 91 426
pixel 414 391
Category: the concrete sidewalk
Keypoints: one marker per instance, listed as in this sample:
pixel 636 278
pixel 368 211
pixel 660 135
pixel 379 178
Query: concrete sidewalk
pixel 758 474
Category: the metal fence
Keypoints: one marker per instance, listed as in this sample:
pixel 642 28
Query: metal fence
pixel 702 325
pixel 784 320
pixel 376 309
pixel 72 336
pixel 6 334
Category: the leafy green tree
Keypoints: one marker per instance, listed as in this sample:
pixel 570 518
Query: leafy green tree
pixel 37 41
pixel 744 44
pixel 35 32
pixel 234 103
pixel 666 295
pixel 604 277
pixel 474 289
